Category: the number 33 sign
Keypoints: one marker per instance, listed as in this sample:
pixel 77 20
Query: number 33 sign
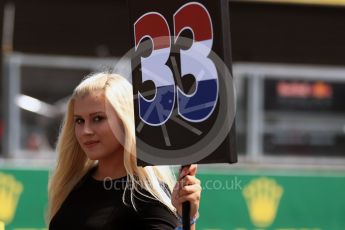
pixel 184 99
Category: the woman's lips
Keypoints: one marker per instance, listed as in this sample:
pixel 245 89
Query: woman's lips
pixel 90 144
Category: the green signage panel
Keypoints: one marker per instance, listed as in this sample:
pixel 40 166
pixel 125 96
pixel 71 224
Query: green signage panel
pixel 231 200
pixel 272 200
pixel 23 199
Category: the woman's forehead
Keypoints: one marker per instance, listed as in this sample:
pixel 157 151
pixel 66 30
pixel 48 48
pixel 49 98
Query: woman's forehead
pixel 90 103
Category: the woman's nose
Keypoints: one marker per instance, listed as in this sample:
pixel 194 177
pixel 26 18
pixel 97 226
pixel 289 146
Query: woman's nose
pixel 87 129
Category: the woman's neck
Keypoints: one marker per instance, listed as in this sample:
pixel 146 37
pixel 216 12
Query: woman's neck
pixel 112 167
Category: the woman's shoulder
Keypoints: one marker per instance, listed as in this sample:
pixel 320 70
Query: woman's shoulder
pixel 153 213
pixel 143 195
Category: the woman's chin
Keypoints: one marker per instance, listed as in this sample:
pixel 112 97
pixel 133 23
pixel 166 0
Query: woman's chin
pixel 93 156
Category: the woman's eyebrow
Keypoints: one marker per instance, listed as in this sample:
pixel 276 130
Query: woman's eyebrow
pixel 91 114
pixel 95 113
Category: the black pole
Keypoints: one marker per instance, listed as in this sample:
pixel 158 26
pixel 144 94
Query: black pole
pixel 186 209
pixel 186 215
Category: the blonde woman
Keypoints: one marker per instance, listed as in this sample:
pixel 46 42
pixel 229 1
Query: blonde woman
pixel 96 183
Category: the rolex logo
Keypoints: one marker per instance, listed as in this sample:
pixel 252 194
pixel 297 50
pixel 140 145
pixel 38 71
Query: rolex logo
pixel 262 196
pixel 10 191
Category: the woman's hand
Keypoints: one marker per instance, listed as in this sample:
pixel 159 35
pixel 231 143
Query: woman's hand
pixel 187 188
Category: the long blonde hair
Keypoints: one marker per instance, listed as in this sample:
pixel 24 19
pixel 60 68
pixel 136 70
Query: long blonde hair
pixel 72 163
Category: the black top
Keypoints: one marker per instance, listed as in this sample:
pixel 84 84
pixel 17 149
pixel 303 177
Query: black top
pixel 97 204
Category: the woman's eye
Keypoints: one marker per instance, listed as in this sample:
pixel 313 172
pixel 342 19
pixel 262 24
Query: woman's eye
pixel 79 121
pixel 98 118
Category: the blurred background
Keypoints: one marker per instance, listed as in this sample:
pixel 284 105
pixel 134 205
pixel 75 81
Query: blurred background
pixel 289 68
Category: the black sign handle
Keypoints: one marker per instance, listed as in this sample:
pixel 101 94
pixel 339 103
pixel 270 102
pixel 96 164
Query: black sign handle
pixel 186 215
pixel 186 209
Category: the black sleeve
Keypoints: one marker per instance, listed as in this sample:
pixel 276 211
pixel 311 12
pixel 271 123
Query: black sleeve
pixel 154 215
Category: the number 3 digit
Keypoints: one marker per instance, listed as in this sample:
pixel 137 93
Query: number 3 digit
pixel 157 111
pixel 199 105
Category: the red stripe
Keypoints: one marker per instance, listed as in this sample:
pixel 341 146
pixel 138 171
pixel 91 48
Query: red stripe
pixel 196 17
pixel 155 26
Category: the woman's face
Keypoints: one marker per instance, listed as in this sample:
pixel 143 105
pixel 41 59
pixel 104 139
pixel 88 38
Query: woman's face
pixel 92 126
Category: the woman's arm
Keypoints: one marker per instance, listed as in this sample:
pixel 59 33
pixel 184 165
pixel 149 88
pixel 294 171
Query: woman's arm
pixel 187 188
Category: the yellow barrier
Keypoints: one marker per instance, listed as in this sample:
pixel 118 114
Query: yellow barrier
pixel 2 225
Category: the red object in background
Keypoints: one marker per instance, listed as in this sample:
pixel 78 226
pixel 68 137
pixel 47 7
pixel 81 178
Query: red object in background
pixel 296 89
pixel 322 90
